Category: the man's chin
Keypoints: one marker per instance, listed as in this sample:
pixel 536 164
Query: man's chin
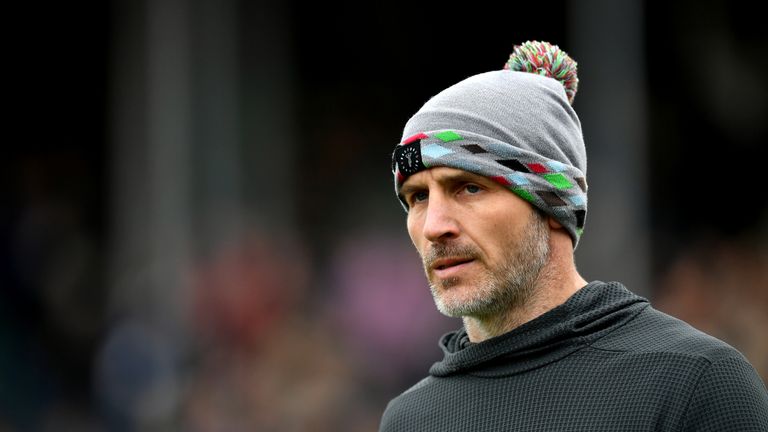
pixel 459 309
pixel 446 283
pixel 455 298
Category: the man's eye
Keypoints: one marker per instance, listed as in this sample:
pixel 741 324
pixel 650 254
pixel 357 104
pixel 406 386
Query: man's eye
pixel 473 189
pixel 419 196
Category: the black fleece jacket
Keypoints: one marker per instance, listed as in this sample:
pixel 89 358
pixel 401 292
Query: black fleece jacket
pixel 603 361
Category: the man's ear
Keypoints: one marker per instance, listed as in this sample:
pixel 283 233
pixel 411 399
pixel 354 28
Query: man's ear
pixel 554 224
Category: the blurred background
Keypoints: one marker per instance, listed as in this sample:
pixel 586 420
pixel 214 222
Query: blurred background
pixel 198 229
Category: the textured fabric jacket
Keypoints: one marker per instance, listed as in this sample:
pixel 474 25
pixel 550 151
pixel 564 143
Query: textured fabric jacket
pixel 603 361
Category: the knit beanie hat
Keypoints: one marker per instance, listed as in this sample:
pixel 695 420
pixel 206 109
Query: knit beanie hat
pixel 515 126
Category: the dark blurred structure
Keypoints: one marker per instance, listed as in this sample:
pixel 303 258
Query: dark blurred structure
pixel 198 229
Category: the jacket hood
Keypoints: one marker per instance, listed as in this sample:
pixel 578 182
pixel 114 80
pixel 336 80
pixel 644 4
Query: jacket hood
pixel 591 313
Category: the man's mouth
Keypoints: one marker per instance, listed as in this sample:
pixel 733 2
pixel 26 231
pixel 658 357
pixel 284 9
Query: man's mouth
pixel 447 263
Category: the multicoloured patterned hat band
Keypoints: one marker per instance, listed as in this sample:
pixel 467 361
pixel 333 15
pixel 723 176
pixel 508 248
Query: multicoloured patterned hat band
pixel 558 189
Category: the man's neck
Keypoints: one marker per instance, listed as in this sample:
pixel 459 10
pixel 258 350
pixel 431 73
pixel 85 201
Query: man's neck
pixel 553 287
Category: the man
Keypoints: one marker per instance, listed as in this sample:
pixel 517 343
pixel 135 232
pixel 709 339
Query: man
pixel 492 173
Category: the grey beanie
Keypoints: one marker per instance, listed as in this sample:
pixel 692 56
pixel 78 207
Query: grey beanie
pixel 515 127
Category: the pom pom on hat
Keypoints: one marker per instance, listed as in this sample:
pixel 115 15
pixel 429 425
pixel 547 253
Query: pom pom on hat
pixel 548 60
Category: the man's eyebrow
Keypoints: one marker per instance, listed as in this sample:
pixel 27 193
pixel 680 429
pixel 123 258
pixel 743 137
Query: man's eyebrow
pixel 445 180
pixel 405 190
pixel 460 177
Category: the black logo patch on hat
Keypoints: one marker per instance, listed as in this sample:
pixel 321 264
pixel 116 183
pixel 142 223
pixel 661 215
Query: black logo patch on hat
pixel 408 158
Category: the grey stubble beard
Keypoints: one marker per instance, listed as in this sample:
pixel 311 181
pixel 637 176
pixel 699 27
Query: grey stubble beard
pixel 505 288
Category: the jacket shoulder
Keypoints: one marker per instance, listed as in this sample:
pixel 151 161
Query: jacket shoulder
pixel 653 331
pixel 400 412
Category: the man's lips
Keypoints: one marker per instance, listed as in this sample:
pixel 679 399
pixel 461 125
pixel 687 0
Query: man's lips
pixel 445 263
pixel 446 269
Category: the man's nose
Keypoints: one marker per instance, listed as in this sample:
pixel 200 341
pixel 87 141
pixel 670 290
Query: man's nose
pixel 440 223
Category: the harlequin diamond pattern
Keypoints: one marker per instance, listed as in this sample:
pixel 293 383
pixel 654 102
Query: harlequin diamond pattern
pixel 501 180
pixel 556 166
pixel 558 180
pixel 448 136
pixel 551 171
pixel 474 148
pixel 577 200
pixel 514 165
pixel 582 183
pixel 551 198
pixel 435 151
pixel 580 214
pixel 412 138
pixel 518 179
pixel 537 168
pixel 524 194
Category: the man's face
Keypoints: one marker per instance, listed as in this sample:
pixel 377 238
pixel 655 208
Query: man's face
pixel 482 246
